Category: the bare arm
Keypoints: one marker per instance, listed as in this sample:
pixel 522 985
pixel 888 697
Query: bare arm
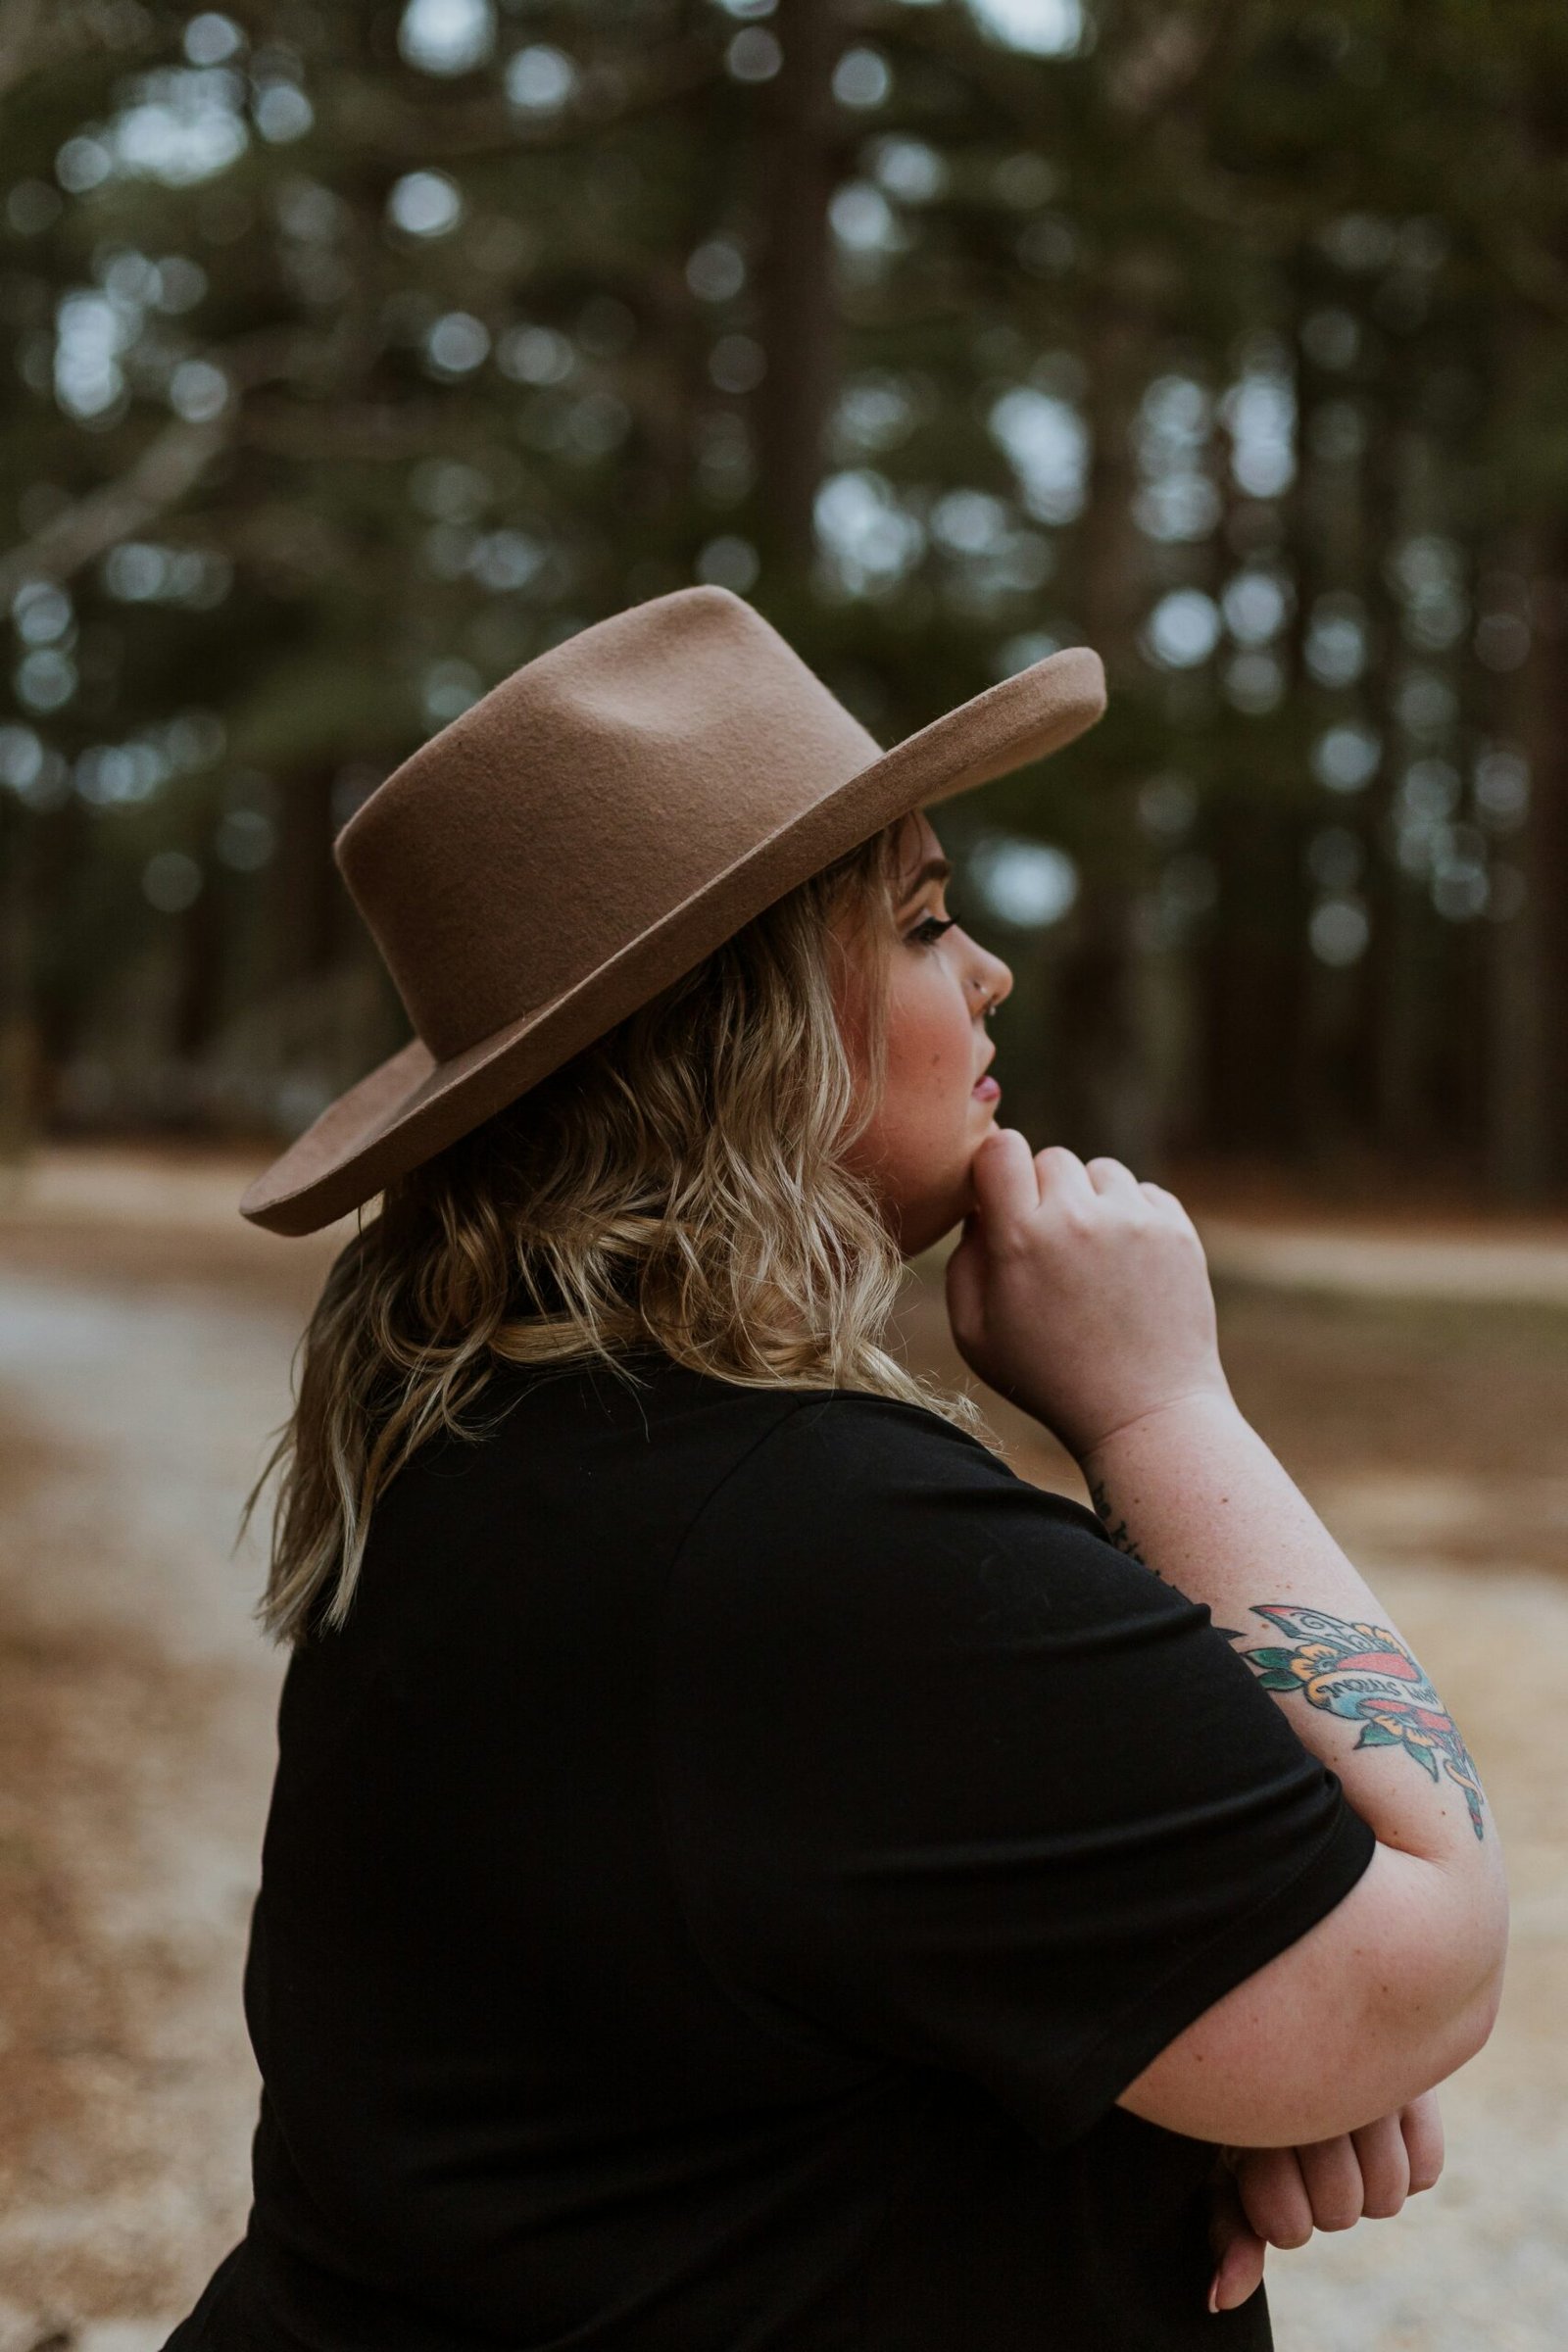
pixel 1085 1298
pixel 1191 1488
pixel 1411 1961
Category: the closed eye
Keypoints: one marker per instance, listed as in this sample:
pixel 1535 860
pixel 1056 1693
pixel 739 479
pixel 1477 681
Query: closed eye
pixel 926 934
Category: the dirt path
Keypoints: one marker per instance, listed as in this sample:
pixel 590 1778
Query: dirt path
pixel 143 1360
pixel 135 1731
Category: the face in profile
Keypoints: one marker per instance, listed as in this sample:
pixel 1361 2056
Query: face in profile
pixel 938 1102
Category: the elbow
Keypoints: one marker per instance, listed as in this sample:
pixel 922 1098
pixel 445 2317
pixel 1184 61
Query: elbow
pixel 1462 2036
pixel 1488 1952
pixel 1478 2015
pixel 1459 2019
pixel 1410 2046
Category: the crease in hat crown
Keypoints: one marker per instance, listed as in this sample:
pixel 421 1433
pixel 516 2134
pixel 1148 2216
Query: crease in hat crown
pixel 592 826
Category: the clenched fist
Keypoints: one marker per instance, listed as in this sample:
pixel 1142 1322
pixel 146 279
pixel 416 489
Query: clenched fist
pixel 1078 1292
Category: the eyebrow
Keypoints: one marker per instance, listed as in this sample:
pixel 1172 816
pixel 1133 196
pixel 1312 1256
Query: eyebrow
pixel 934 869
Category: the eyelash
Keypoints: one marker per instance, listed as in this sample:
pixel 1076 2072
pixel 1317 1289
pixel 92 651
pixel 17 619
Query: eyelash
pixel 935 925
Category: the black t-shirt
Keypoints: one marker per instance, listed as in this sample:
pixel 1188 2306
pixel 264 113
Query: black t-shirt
pixel 717 1884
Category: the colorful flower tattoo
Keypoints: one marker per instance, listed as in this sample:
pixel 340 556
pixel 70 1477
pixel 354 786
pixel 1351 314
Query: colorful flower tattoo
pixel 1364 1673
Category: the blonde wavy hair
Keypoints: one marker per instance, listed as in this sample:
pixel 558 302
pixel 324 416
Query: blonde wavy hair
pixel 680 1184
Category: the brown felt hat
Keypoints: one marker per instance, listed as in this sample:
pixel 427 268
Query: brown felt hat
pixel 592 828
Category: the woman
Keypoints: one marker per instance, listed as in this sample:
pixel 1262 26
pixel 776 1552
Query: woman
pixel 745 1869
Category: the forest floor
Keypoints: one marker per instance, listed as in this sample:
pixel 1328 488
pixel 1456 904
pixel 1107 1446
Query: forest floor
pixel 1411 1372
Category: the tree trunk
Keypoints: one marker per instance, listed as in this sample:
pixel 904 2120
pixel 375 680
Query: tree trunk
pixel 200 954
pixel 1100 1004
pixel 308 892
pixel 798 310
pixel 1255 1006
pixel 18 1035
pixel 1526 1145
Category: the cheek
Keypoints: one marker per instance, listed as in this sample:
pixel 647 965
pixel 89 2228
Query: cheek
pixel 931 1047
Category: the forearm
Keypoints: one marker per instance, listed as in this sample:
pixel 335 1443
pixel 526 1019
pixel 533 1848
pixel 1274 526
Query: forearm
pixel 1084 1296
pixel 1193 1490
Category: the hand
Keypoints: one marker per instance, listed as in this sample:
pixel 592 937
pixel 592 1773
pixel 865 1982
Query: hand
pixel 1278 2196
pixel 1078 1292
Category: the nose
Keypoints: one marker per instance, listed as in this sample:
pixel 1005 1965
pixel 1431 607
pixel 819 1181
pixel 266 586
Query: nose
pixel 992 982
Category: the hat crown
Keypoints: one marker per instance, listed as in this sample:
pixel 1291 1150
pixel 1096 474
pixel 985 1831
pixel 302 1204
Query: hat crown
pixel 582 799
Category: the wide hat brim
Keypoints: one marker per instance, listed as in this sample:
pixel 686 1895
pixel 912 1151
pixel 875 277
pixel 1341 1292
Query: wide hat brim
pixel 414 1104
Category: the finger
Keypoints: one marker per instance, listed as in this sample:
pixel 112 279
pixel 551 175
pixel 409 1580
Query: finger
pixel 1421 2127
pixel 1274 2195
pixel 1385 2162
pixel 1170 1207
pixel 1112 1176
pixel 1063 1176
pixel 1333 2178
pixel 1005 1180
pixel 1238 2250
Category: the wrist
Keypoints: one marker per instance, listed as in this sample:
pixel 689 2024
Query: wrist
pixel 1203 1409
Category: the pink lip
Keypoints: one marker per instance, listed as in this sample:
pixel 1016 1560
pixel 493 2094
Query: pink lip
pixel 986 1091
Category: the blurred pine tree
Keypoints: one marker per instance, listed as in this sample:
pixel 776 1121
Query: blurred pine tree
pixel 363 350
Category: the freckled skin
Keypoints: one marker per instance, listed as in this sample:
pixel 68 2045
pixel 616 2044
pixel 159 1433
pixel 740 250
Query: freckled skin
pixel 919 1145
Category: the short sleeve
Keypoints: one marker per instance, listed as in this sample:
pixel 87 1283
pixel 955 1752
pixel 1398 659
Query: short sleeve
pixel 947 1777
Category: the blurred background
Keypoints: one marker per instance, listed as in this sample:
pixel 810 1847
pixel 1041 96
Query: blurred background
pixel 358 351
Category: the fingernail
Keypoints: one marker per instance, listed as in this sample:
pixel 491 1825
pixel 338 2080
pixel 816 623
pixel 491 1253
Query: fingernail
pixel 1214 2293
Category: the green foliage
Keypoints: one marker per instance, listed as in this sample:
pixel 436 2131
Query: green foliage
pixel 1231 344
